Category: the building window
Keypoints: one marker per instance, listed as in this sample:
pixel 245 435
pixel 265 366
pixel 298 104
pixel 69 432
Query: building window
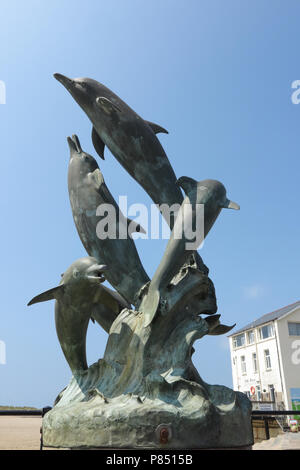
pixel 250 336
pixel 266 331
pixel 243 365
pixel 238 341
pixel 254 362
pixel 267 359
pixel 294 329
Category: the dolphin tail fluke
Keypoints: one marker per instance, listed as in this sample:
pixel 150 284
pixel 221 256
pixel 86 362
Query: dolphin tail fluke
pixel 221 329
pixel 213 321
pixel 215 327
pixel 151 306
pixel 50 294
pixel 98 143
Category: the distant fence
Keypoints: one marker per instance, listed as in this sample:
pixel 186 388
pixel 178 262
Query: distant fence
pixel 264 415
pixel 39 412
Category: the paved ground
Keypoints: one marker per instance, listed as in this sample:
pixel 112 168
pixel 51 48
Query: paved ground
pixel 23 433
pixel 286 441
pixel 20 432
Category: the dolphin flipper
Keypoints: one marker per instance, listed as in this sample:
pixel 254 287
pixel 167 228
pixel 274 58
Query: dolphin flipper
pixel 104 316
pixel 50 294
pixel 108 304
pixel 98 143
pixel 99 183
pixel 112 299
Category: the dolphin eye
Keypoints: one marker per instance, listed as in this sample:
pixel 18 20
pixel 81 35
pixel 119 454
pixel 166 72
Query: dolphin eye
pixel 80 85
pixel 75 273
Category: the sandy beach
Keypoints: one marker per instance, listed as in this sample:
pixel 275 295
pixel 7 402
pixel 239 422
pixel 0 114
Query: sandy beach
pixel 20 432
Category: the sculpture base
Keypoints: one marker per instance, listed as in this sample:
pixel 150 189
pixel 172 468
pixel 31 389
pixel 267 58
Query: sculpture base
pixel 125 422
pixel 146 393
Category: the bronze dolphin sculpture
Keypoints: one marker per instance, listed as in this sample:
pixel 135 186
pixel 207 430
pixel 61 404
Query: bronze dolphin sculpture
pixel 133 142
pixel 130 138
pixel 212 195
pixel 88 192
pixel 80 296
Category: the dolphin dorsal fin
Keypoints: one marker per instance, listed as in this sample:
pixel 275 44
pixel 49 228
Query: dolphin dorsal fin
pixel 98 143
pixel 186 183
pixel 50 294
pixel 156 128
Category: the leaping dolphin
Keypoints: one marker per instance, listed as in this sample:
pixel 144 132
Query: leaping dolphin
pixel 132 140
pixel 211 194
pixel 88 191
pixel 80 296
pixel 74 299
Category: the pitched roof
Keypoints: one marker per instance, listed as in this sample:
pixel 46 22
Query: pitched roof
pixel 269 317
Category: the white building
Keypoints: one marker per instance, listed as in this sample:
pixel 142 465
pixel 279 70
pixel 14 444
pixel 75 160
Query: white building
pixel 265 358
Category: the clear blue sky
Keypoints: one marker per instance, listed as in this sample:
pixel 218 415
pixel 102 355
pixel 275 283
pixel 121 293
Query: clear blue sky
pixel 218 76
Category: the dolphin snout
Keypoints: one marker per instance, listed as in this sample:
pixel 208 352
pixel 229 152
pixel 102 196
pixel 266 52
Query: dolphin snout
pixel 101 267
pixel 95 272
pixel 65 81
pixel 74 144
pixel 231 205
